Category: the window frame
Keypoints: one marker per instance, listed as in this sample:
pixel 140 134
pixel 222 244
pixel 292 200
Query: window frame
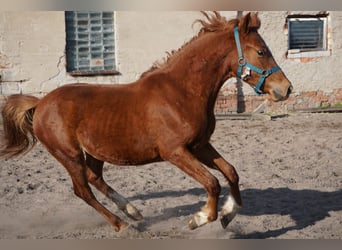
pixel 70 48
pixel 314 52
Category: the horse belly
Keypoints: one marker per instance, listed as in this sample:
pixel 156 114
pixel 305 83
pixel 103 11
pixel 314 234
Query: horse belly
pixel 119 146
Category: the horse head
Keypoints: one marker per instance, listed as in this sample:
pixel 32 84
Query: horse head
pixel 255 64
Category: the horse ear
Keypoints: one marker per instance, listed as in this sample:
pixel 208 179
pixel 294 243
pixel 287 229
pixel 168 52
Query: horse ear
pixel 250 22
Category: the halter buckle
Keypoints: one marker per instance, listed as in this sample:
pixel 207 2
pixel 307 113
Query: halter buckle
pixel 265 73
pixel 242 61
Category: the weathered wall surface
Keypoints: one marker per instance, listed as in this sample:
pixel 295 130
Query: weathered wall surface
pixel 144 38
pixel 32 53
pixel 31 48
pixel 307 74
pixel 32 56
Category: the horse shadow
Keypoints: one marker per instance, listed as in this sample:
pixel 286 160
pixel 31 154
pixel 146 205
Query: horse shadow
pixel 305 207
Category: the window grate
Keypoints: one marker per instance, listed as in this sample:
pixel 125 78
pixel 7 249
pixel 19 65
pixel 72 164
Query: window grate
pixel 90 39
pixel 307 34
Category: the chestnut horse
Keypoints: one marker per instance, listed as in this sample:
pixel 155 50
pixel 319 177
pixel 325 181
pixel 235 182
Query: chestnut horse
pixel 166 115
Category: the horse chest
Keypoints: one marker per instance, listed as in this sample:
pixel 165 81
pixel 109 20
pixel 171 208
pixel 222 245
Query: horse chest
pixel 203 134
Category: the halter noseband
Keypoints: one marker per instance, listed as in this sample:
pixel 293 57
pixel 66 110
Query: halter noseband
pixel 242 62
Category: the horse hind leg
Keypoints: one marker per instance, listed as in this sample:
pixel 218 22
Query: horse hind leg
pixel 94 174
pixel 76 167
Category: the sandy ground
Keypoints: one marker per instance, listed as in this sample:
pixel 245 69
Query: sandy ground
pixel 290 177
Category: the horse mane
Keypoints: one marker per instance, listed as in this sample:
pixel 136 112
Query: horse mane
pixel 214 23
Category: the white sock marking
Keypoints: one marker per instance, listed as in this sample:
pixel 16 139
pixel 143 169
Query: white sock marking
pixel 201 218
pixel 230 206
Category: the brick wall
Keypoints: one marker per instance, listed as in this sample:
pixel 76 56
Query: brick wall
pixel 310 99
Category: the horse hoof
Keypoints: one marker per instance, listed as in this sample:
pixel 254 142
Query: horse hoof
pixel 130 232
pixel 192 224
pixel 121 227
pixel 136 216
pixel 133 213
pixel 226 219
pixel 198 220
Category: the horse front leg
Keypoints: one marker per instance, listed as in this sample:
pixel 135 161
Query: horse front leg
pixel 184 160
pixel 211 158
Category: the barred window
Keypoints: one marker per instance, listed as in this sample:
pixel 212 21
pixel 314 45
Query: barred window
pixel 307 35
pixel 90 43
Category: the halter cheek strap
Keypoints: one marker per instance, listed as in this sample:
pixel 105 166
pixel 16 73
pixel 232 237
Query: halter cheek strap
pixel 242 63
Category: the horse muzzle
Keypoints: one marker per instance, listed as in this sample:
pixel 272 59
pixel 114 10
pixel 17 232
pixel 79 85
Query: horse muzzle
pixel 278 94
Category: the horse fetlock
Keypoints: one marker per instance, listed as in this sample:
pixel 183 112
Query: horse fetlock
pixel 229 211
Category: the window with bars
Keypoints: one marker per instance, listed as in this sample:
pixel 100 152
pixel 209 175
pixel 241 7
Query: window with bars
pixel 307 36
pixel 90 43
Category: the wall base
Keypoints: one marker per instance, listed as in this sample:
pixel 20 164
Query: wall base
pixel 234 103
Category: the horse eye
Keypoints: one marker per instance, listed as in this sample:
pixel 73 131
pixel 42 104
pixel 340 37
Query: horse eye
pixel 261 52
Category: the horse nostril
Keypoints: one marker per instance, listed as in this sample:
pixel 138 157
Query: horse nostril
pixel 289 90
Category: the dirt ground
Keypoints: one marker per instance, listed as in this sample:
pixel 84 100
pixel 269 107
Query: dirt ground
pixel 290 178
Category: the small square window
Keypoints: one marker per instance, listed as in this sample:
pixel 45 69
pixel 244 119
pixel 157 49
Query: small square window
pixel 307 36
pixel 90 43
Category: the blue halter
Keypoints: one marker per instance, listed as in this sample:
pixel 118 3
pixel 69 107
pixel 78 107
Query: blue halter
pixel 242 62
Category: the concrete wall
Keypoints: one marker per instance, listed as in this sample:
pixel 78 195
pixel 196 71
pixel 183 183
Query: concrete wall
pixel 32 57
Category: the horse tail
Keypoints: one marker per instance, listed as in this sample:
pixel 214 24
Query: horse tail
pixel 17 122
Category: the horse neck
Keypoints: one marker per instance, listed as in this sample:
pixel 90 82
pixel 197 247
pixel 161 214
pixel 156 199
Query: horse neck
pixel 203 67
